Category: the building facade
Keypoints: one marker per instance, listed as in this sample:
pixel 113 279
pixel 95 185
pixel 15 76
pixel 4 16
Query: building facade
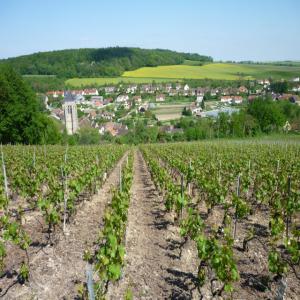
pixel 70 113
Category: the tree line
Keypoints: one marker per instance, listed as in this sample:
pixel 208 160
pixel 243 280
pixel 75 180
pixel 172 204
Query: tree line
pixel 97 62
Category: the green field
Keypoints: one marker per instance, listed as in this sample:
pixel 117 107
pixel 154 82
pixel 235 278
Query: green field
pixel 217 71
pixel 77 82
pixel 220 71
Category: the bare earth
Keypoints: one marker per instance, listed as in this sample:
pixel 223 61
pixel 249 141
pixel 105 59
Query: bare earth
pixel 56 271
pixel 153 266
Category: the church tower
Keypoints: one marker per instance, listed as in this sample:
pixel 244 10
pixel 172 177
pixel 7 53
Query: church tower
pixel 70 110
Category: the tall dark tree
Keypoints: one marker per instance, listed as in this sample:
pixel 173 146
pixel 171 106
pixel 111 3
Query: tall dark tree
pixel 21 119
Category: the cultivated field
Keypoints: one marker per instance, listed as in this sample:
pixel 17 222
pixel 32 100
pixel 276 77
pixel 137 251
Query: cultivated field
pixel 221 71
pixel 166 112
pixel 78 82
pixel 204 220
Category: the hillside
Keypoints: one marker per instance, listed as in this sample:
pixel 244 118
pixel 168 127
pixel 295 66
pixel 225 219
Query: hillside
pixel 220 71
pixel 97 62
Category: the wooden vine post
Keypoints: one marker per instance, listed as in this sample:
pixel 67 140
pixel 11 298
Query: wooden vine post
pixel 238 195
pixel 4 174
pixel 120 178
pixel 65 185
pixel 288 217
pixel 89 279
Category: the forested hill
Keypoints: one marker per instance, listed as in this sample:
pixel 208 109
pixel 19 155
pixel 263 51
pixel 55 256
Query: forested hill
pixel 96 62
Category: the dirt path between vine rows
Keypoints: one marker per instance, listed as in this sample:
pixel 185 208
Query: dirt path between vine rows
pixel 55 272
pixel 154 268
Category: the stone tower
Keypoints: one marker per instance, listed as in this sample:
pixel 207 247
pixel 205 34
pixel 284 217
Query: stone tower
pixel 70 111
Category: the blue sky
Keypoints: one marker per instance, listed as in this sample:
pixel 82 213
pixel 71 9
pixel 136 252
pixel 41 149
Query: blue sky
pixel 225 29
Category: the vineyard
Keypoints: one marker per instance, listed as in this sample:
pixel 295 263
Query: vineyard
pixel 205 220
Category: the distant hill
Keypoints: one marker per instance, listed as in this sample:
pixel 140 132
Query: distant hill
pixel 97 62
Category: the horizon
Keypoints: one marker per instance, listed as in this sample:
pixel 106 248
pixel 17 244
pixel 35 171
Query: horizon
pixel 262 32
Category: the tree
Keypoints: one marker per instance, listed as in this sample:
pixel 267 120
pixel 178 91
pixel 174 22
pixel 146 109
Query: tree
pixel 21 119
pixel 279 87
pixel 186 112
pixel 267 113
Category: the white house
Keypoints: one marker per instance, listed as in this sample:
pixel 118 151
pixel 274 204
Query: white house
pixel 226 99
pixel 109 89
pixel 237 99
pixel 186 88
pixel 122 98
pixel 131 89
pixel 296 89
pixel 296 79
pixel 199 99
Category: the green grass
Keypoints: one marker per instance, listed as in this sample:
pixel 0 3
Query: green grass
pixel 219 71
pixel 78 82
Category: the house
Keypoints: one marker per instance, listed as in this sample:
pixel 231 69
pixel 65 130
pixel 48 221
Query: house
pixel 237 99
pixel 168 87
pixel 113 128
pixel 160 98
pixel 243 90
pixel 85 122
pixel 264 82
pixel 173 92
pixel 170 129
pixel 110 89
pixel 131 89
pixel 296 79
pixel 90 92
pixel 122 98
pixel 92 115
pixel 200 91
pixel 186 88
pixel 214 92
pixel 107 101
pixel 178 86
pixel 192 92
pixel 56 94
pixel 296 89
pixel 137 99
pixel 145 88
pixel 226 99
pixel 107 115
pixel 127 105
pixel 144 107
pixel 196 110
pixel 97 101
pixel 199 99
pixel 57 113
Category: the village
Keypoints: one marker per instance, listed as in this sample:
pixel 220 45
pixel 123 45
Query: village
pixel 107 108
